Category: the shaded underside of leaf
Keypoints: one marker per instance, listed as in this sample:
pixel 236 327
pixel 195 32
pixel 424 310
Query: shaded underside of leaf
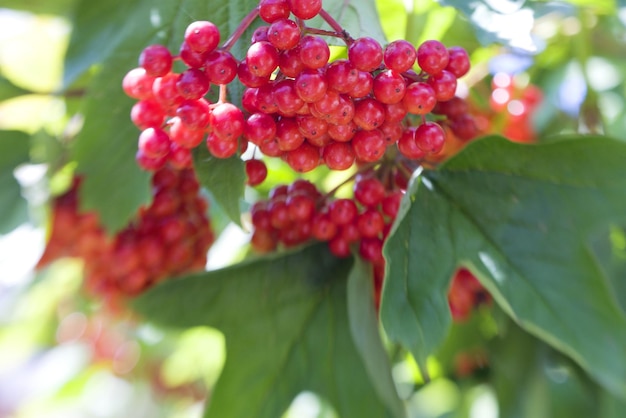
pixel 520 217
pixel 286 325
pixel 224 178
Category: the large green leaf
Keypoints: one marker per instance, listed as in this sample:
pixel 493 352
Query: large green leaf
pixel 224 178
pixel 287 330
pixel 61 7
pixel 14 149
pixel 520 217
pixel 531 380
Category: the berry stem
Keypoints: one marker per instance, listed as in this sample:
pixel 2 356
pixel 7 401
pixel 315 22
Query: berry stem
pixel 336 26
pixel 362 169
pixel 223 96
pixel 245 24
pixel 323 32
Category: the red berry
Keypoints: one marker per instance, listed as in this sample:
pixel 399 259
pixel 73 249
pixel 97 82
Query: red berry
pixel 221 148
pixel 147 113
pixel 284 34
pixel 369 191
pixel 304 158
pixel 311 85
pixel 314 52
pixel 432 56
pixel 227 121
pixel 256 170
pixel 391 203
pixel 338 156
pixel 194 113
pixel 202 36
pixel 192 84
pixel 273 10
pixel 220 67
pixel 262 59
pixel 154 142
pixel 443 84
pixel 259 128
pixel 305 9
pixel 459 62
pixel 419 98
pixel 288 135
pixel 369 114
pixel 370 223
pixel 365 54
pixel 156 60
pixel 369 146
pixel 430 137
pixel 301 207
pixel 323 228
pixel 371 249
pixel 342 211
pixel 408 147
pixel 400 56
pixel 389 87
pixel 339 247
pixel 342 76
pixel 138 84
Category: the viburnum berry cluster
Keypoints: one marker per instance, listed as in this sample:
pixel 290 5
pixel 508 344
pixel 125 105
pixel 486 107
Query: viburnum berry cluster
pixel 169 237
pixel 384 109
pixel 296 104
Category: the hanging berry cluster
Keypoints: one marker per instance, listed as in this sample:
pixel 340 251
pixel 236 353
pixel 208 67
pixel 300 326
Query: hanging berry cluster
pixel 296 105
pixel 384 109
pixel 168 238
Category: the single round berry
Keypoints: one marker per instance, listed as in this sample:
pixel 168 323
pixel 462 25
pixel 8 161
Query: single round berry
pixel 256 171
pixel 262 59
pixel 202 36
pixel 369 146
pixel 400 56
pixel 342 211
pixel 370 223
pixel 430 137
pixel 459 62
pixel 194 113
pixel 305 9
pixel 273 10
pixel 147 113
pixel 259 128
pixel 304 158
pixel 338 156
pixel 311 85
pixel 419 98
pixel 183 135
pixel 342 76
pixel 324 229
pixel 192 84
pixel 369 191
pixel 284 34
pixel 288 135
pixel 220 67
pixel 432 56
pixel 314 52
pixel 408 147
pixel 389 87
pixel 371 249
pixel 227 121
pixel 221 148
pixel 301 207
pixel 369 114
pixel 154 142
pixel 444 85
pixel 365 54
pixel 137 84
pixel 156 60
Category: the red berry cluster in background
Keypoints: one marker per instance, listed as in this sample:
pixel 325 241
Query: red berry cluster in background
pixel 296 105
pixel 465 294
pixel 168 238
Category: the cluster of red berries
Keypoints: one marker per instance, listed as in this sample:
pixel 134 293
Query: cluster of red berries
pixel 167 238
pixel 299 106
pixel 465 294
pixel 299 212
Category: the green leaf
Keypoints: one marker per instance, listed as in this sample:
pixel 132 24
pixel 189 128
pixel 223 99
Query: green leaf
pixel 14 149
pixel 531 380
pixel 520 217
pixel 287 330
pixel 224 178
pixel 8 90
pixel 60 7
pixel 359 18
pixel 364 327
